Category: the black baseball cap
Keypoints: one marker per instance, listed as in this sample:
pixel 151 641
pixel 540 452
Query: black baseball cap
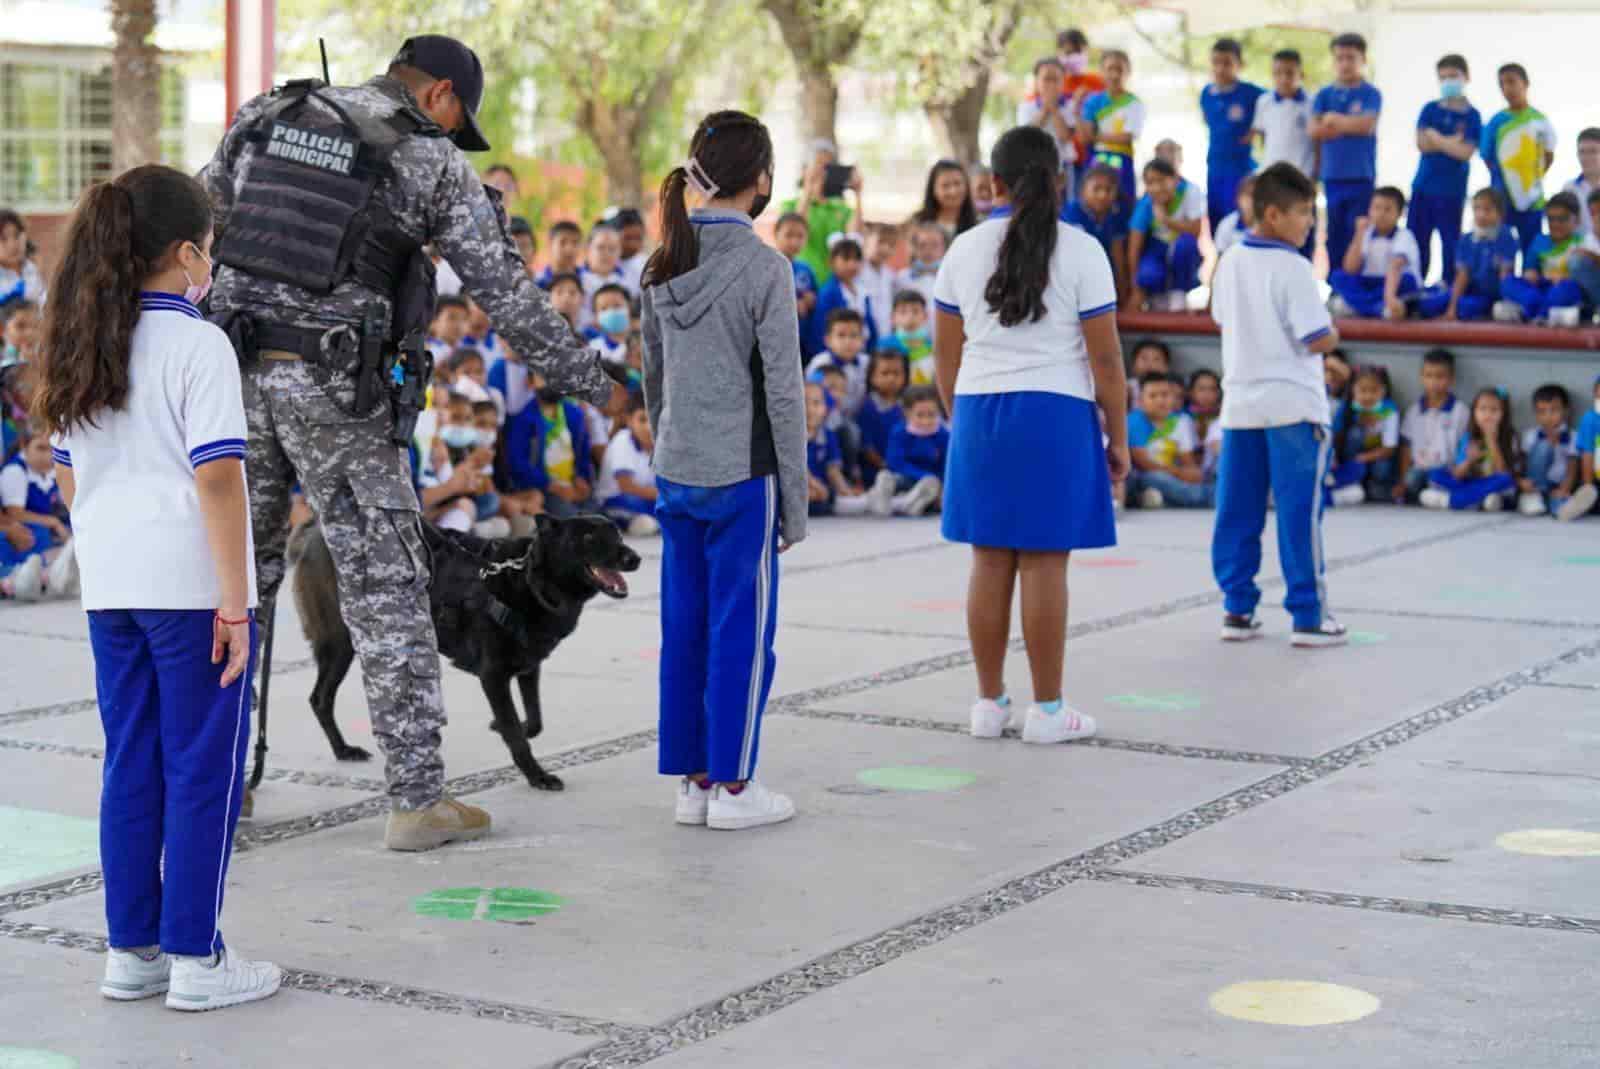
pixel 445 57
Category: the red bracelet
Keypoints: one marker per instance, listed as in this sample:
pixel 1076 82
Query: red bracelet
pixel 231 623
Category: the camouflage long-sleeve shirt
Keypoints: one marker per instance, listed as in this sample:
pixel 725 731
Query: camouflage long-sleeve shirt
pixel 437 198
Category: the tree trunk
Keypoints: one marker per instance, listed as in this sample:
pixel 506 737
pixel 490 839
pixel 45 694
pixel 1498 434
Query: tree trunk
pixel 819 45
pixel 135 86
pixel 819 103
pixel 956 122
pixel 616 133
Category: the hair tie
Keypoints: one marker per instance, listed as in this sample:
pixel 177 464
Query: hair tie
pixel 698 180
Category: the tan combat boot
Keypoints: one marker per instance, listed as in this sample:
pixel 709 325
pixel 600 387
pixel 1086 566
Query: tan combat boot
pixel 445 821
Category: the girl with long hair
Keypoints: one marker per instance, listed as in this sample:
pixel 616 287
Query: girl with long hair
pixel 1026 346
pixel 1488 460
pixel 722 385
pixel 142 400
pixel 947 200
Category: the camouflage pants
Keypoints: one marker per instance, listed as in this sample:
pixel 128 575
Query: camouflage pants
pixel 359 483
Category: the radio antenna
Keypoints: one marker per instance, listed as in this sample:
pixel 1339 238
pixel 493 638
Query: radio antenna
pixel 323 45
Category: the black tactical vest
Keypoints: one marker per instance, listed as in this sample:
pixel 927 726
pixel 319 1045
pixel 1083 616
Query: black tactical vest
pixel 304 213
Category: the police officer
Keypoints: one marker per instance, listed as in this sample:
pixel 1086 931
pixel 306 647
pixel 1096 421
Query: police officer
pixel 324 198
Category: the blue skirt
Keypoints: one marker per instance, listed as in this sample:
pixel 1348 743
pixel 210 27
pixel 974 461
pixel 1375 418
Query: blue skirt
pixel 1027 471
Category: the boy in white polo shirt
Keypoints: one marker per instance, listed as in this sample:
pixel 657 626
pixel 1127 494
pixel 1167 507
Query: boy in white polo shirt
pixel 1432 427
pixel 1283 122
pixel 1381 264
pixel 1274 413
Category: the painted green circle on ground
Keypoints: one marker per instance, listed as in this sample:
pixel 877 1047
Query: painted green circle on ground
pixel 916 778
pixel 1367 638
pixel 1551 842
pixel 1301 1003
pixel 1583 560
pixel 486 903
pixel 24 1058
pixel 1158 701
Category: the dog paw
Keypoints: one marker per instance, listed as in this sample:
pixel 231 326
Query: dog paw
pixel 544 781
pixel 352 753
pixel 533 730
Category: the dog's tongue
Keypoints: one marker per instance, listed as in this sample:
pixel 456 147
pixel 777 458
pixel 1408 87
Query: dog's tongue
pixel 611 581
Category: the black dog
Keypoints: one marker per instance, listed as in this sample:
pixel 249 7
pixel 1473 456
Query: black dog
pixel 500 608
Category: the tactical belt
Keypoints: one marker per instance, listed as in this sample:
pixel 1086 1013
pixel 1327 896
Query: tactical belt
pixel 302 342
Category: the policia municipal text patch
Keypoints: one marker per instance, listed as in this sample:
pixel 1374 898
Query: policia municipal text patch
pixel 326 152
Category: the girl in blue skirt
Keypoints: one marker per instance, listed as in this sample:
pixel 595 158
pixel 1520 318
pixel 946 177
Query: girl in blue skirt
pixel 1026 345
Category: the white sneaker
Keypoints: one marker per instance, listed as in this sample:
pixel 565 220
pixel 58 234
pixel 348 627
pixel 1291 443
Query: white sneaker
pixel 990 718
pixel 644 526
pixel 1063 725
pixel 1434 498
pixel 1563 317
pixel 1339 308
pixel 921 497
pixel 1236 628
pixel 880 499
pixel 493 527
pixel 1151 498
pixel 1531 504
pixel 1507 312
pixel 1345 496
pixel 750 808
pixel 61 580
pixel 693 801
pixel 130 977
pixel 199 985
pixel 1331 633
pixel 27 579
pixel 1578 505
pixel 1494 503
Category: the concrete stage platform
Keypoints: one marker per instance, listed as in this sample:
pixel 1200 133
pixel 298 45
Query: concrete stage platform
pixel 1386 855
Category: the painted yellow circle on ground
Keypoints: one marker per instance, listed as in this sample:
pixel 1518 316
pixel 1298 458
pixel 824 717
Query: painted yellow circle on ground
pixel 1302 1003
pixel 1551 842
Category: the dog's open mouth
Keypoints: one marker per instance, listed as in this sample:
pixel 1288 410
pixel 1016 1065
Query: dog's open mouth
pixel 608 581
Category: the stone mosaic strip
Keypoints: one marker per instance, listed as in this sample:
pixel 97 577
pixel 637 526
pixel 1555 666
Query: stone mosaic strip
pixel 276 775
pixel 1470 618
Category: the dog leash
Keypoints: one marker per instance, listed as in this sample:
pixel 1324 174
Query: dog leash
pixel 260 768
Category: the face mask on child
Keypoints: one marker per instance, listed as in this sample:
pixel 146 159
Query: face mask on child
pixel 924 267
pixel 908 338
pixel 1076 63
pixel 459 437
pixel 613 320
pixel 196 291
pixel 1450 88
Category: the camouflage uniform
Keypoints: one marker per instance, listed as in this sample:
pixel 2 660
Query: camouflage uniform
pixel 358 481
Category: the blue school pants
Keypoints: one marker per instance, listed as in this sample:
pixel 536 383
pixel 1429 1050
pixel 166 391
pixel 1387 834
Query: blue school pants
pixel 1163 268
pixel 1537 298
pixel 1292 463
pixel 1348 200
pixel 10 557
pixel 1364 293
pixel 174 775
pixel 1222 195
pixel 1470 493
pixel 1528 225
pixel 719 622
pixel 1376 478
pixel 1174 491
pixel 1430 214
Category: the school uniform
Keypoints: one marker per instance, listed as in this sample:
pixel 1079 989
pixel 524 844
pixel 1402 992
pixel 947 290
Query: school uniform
pixel 1349 163
pixel 1229 232
pixel 1556 288
pixel 22 487
pixel 917 347
pixel 510 378
pixel 175 741
pixel 1275 425
pixel 541 450
pixel 876 421
pixel 1171 258
pixel 1439 190
pixel 1363 292
pixel 913 457
pixel 1514 146
pixel 1028 113
pixel 1121 114
pixel 805 283
pixel 1284 123
pixel 1164 442
pixel 1481 483
pixel 832 297
pixel 624 456
pixel 591 281
pixel 855 378
pixel 1107 231
pixel 1487 260
pixel 26 284
pixel 877 283
pixel 1357 431
pixel 1547 461
pixel 1581 187
pixel 1027 466
pixel 1229 114
pixel 1432 434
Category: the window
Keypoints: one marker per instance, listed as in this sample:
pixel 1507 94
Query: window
pixel 55 129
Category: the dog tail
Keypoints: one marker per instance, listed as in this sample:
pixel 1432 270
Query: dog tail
pixel 316 585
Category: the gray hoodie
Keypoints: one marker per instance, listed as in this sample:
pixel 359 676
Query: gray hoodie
pixel 722 368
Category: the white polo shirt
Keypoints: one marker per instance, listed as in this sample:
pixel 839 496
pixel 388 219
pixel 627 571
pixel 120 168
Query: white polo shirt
pixel 1434 433
pixel 623 457
pixel 1048 355
pixel 136 521
pixel 1378 250
pixel 1265 299
pixel 1285 127
pixel 1579 187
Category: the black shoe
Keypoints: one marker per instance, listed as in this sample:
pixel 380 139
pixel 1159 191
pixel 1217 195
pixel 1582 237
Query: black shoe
pixel 1330 633
pixel 1237 628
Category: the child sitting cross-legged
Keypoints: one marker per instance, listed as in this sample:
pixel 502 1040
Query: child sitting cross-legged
pixel 1380 266
pixel 1432 428
pixel 1487 462
pixel 1165 450
pixel 846 334
pixel 912 481
pixel 1366 437
pixel 1546 289
pixel 30 498
pixel 887 377
pixel 1485 256
pixel 830 492
pixel 1552 454
pixel 627 486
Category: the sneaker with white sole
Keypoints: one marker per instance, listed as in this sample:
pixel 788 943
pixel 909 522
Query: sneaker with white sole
pixel 693 801
pixel 200 984
pixel 1063 725
pixel 131 975
pixel 1507 312
pixel 1434 498
pixel 27 579
pixel 1578 505
pixel 1494 503
pixel 921 497
pixel 1151 498
pixel 61 579
pixel 991 717
pixel 1531 504
pixel 1329 633
pixel 880 499
pixel 1345 496
pixel 1339 308
pixel 1567 316
pixel 644 526
pixel 750 808
pixel 1237 627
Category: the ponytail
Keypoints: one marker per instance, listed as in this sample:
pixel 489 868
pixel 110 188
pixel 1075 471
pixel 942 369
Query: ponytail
pixel 729 151
pixel 1025 159
pixel 119 236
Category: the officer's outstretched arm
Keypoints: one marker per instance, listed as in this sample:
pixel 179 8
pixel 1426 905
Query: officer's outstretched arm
pixel 219 174
pixel 469 230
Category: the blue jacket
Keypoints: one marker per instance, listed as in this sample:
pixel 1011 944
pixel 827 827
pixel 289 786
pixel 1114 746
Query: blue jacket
pixel 525 446
pixel 914 456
